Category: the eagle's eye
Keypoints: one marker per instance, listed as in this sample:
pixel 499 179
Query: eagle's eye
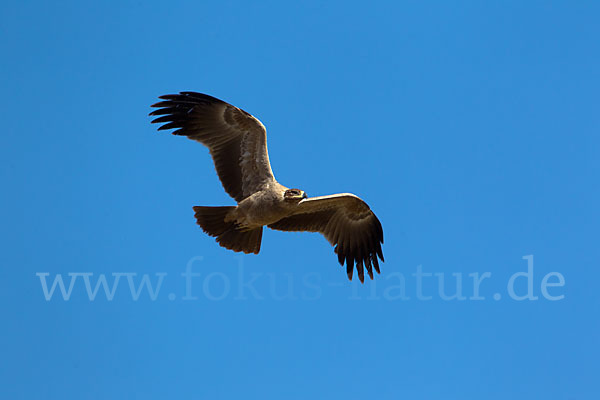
pixel 293 193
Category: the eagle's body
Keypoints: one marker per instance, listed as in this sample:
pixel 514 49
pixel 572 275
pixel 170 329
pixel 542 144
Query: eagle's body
pixel 238 145
pixel 264 207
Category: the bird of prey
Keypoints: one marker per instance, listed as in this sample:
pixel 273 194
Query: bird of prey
pixel 237 142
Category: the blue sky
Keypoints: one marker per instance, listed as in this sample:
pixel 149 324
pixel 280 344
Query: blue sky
pixel 470 128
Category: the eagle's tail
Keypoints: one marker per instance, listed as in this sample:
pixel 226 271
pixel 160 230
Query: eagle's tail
pixel 228 233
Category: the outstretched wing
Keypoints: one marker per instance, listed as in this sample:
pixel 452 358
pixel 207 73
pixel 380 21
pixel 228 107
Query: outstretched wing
pixel 237 141
pixel 348 223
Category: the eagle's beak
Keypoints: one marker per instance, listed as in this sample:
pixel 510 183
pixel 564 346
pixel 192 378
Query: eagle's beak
pixel 304 196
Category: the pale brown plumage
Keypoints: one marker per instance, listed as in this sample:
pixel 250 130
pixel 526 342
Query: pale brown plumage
pixel 238 145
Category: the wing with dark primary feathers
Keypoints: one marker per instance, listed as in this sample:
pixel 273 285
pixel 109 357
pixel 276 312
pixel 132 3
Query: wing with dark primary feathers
pixel 237 141
pixel 348 223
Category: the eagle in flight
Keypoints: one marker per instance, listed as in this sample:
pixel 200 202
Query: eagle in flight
pixel 238 145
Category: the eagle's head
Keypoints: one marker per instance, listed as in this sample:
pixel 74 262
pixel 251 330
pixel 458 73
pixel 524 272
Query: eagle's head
pixel 294 195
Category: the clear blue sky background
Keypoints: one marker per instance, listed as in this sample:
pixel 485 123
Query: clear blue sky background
pixel 471 128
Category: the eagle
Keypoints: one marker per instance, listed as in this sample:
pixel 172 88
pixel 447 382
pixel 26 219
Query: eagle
pixel 237 142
